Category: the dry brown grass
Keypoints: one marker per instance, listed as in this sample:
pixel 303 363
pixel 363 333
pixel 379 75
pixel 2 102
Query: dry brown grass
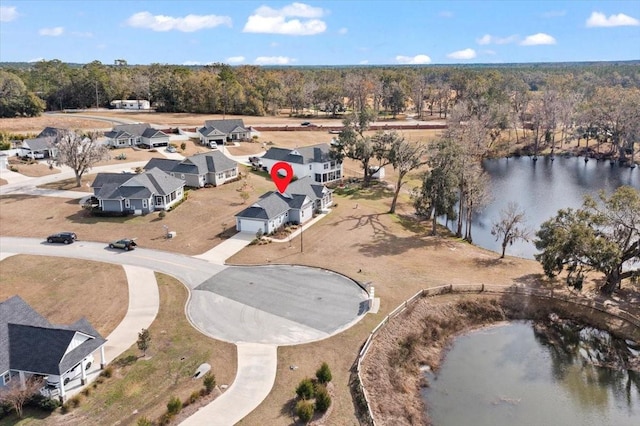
pixel 31 168
pixel 34 125
pixel 64 290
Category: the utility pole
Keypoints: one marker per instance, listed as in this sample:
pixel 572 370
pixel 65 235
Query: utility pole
pixel 97 101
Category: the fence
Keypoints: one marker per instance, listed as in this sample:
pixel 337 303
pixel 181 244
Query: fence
pixel 488 289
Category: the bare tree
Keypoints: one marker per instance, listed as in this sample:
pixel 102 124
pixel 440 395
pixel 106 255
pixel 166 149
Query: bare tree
pixel 80 153
pixel 510 227
pixel 405 156
pixel 144 340
pixel 16 395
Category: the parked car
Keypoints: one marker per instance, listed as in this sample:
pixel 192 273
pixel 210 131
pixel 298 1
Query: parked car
pixel 125 244
pixel 307 124
pixel 62 237
pixel 171 148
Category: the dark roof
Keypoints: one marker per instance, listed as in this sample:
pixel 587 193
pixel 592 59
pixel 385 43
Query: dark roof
pixel 226 126
pixel 28 342
pixel 116 186
pixel 272 204
pixel 319 153
pixel 198 164
pixel 53 132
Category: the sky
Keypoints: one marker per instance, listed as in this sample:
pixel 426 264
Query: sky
pixel 311 33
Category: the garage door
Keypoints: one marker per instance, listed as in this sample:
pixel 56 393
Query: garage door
pixel 253 226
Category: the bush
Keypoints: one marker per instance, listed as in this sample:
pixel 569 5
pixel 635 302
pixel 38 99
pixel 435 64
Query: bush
pixel 183 146
pixel 209 381
pixel 324 373
pixel 43 403
pixel 323 399
pixel 194 396
pixel 304 410
pixel 143 421
pixel 107 372
pixel 162 214
pixel 174 405
pixel 305 389
pixel 165 419
pixel 75 401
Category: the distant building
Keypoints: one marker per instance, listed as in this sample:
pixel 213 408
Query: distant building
pixel 135 104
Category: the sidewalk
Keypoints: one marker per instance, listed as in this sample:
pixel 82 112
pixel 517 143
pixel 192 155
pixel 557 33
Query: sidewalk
pixel 220 253
pixel 257 365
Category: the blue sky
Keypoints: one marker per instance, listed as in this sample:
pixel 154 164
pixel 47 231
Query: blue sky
pixel 338 32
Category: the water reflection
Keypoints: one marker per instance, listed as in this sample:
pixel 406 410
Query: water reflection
pixel 541 188
pixel 511 375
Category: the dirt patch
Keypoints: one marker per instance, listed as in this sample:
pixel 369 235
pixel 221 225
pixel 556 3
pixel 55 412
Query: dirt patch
pixel 33 125
pixel 31 168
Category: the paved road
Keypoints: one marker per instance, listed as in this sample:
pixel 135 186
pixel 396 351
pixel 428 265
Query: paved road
pixel 279 305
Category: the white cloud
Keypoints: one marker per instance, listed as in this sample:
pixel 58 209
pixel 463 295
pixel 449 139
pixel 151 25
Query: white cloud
pixel 418 59
pixel 187 24
pixel 598 19
pixel 274 60
pixel 489 39
pixel 343 31
pixel 52 32
pixel 35 60
pixel 8 13
pixel 276 21
pixel 235 59
pixel 538 39
pixel 462 54
pixel 364 62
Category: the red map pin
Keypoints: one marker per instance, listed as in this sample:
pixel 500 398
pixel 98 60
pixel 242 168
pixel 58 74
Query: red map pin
pixel 281 181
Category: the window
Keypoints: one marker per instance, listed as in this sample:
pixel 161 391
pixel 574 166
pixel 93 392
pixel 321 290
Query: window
pixel 144 204
pixel 318 178
pixel 158 201
pixel 6 378
pixel 182 176
pixel 127 204
pixel 326 166
pixel 309 166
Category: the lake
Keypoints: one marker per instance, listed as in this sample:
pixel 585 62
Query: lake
pixel 541 188
pixel 508 375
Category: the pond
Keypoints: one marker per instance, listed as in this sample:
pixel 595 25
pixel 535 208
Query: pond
pixel 513 374
pixel 541 188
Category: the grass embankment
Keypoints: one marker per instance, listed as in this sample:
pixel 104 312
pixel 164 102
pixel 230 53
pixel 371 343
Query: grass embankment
pixel 420 335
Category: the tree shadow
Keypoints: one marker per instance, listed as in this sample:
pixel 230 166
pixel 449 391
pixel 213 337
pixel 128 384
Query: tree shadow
pixel 288 409
pixel 536 281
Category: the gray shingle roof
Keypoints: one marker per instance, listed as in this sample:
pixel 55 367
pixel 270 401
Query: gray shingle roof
pixel 134 130
pixel 308 187
pixel 53 132
pixel 28 342
pixel 115 186
pixel 198 164
pixel 319 153
pixel 226 126
pixel 39 144
pixel 270 205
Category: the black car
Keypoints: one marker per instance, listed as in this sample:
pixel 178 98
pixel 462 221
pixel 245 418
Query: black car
pixel 62 237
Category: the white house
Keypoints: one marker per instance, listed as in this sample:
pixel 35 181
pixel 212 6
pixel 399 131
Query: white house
pixel 140 134
pixel 217 132
pixel 132 104
pixel 313 161
pixel 297 205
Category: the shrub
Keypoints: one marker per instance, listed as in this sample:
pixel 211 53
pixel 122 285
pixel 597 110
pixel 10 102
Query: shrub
pixel 183 146
pixel 107 372
pixel 165 419
pixel 86 391
pixel 194 396
pixel 75 401
pixel 305 389
pixel 324 373
pixel 304 410
pixel 162 214
pixel 323 399
pixel 209 381
pixel 174 405
pixel 43 403
pixel 143 421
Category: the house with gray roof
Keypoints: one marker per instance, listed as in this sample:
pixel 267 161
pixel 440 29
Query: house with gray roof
pixel 297 205
pixel 217 132
pixel 43 145
pixel 133 193
pixel 31 345
pixel 213 168
pixel 314 161
pixel 140 134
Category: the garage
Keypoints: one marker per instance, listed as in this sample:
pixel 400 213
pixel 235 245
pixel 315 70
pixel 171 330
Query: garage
pixel 249 225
